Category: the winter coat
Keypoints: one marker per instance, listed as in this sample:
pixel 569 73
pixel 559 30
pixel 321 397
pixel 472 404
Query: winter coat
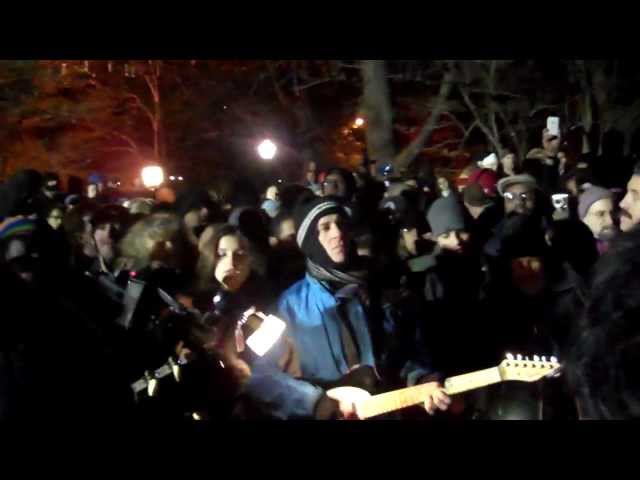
pixel 310 311
pixel 530 326
pixel 452 288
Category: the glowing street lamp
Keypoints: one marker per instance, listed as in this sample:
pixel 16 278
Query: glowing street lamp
pixel 152 176
pixel 267 149
pixel 358 122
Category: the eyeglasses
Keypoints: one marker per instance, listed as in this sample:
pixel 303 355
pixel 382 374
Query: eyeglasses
pixel 521 196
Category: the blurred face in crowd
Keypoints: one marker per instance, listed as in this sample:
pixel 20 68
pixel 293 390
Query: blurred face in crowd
pixel 106 236
pixel 519 198
pixel 599 219
pixel 630 205
pixel 508 162
pixel 51 188
pixel 334 185
pixel 22 260
pixel 443 184
pixel 272 193
pixel 333 236
pixel 92 190
pixel 193 221
pixel 287 232
pixel 86 238
pixel 527 274
pixel 234 263
pixel 55 218
pixel 453 241
pixel 409 238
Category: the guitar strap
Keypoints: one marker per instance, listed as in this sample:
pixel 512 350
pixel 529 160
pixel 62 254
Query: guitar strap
pixel 349 343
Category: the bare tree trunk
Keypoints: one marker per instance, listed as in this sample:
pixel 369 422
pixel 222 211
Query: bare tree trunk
pixel 378 112
pixel 153 82
pixel 587 110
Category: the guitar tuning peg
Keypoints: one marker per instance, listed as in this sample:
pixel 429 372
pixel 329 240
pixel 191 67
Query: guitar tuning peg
pixel 509 356
pixel 518 357
pixel 152 384
pixel 175 369
pixel 536 358
pixel 553 360
pixel 544 359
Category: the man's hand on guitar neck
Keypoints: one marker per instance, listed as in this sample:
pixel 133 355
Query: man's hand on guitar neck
pixel 436 398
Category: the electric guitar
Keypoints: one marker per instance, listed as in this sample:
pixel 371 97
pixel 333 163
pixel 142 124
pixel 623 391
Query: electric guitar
pixel 511 369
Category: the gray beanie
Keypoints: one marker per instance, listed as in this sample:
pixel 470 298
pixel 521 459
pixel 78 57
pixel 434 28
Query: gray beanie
pixel 590 196
pixel 445 215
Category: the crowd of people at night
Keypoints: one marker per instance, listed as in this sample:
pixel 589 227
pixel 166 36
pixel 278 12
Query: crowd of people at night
pixel 151 307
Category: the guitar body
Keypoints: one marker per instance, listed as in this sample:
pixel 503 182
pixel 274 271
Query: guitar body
pixel 363 377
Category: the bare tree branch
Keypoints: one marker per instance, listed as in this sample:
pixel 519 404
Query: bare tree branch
pixel 442 144
pixel 143 107
pixel 465 95
pixel 127 139
pixel 281 97
pixel 467 132
pixel 539 108
pixel 121 149
pixel 314 83
pixel 347 65
pixel 404 158
pixel 496 93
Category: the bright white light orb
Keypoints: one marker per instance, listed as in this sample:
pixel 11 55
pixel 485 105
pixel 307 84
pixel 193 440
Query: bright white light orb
pixel 267 149
pixel 152 176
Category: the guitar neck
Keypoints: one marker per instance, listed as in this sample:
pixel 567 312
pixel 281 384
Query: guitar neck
pixel 407 397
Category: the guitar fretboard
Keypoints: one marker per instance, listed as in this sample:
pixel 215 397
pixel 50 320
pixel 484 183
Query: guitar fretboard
pixel 407 397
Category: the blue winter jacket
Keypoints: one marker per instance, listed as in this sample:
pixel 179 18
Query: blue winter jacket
pixel 309 309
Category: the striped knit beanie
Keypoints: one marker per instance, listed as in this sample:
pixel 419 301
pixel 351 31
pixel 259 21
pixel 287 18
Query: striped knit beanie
pixel 16 226
pixel 306 216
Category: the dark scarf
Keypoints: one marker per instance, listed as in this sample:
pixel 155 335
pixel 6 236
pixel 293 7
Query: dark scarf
pixel 337 277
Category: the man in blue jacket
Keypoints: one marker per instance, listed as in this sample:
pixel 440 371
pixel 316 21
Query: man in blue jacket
pixel 332 320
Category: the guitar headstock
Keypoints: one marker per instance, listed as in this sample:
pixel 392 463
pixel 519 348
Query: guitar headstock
pixel 526 370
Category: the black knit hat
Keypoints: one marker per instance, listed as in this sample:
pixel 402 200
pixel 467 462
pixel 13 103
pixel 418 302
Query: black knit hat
pixel 349 180
pixel 17 193
pixel 475 196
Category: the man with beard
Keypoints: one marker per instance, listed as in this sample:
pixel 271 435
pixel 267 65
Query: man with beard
pixel 630 204
pixel 108 225
pixel 336 322
pixel 533 303
pixel 595 209
pixel 521 196
pixel 603 364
